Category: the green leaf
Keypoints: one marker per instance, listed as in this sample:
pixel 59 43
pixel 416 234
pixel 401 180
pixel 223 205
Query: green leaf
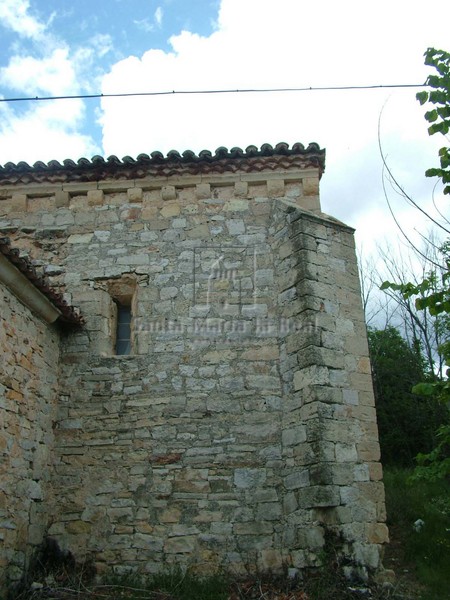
pixel 443 111
pixel 441 127
pixel 434 81
pixel 438 97
pixel 424 389
pixel 421 303
pixel 422 97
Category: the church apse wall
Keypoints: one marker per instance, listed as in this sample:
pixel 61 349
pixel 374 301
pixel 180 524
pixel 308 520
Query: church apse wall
pixel 216 410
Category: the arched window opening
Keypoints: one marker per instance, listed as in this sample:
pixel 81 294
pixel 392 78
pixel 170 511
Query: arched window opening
pixel 123 329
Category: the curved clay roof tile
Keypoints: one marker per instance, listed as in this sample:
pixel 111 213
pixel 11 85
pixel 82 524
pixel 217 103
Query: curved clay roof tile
pixel 98 160
pixel 23 166
pixel 189 162
pixel 236 152
pixel 221 152
pixel 68 314
pixel 282 148
pixel 68 163
pixel 128 160
pixel 174 155
pixel 54 164
pixel 189 155
pixel 251 151
pixel 156 156
pixel 266 150
pixel 113 160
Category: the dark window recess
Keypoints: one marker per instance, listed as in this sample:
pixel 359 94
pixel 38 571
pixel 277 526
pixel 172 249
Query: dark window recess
pixel 123 339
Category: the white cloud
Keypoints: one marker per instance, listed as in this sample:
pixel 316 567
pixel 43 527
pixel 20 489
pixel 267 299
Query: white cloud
pixel 148 25
pixel 159 16
pixel 45 132
pixel 145 24
pixel 255 44
pixel 53 74
pixel 289 43
pixel 48 130
pixel 14 14
pixel 102 44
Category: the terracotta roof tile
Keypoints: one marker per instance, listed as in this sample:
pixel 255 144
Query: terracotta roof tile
pixel 69 315
pixel 222 161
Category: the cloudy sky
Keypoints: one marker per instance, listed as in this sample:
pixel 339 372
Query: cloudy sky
pixel 57 47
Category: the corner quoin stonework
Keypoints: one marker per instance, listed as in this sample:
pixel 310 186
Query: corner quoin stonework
pixel 241 429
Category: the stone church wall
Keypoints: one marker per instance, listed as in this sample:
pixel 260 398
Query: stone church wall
pixel 241 429
pixel 29 356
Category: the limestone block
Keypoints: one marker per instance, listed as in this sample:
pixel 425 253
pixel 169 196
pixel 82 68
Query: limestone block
pixel 311 186
pixel 253 528
pixel 269 511
pixel 203 191
pixel 298 479
pixel 375 471
pixel 134 194
pixel 235 226
pixel 346 452
pixel 342 474
pixel 275 188
pixel 313 375
pixel 367 554
pixel 19 203
pixel 80 238
pixel 249 478
pixel 170 210
pixel 349 494
pixel 168 292
pixel 180 545
pixel 236 205
pixel 317 496
pixel 240 189
pixel 285 249
pixel 95 197
pixel 265 382
pixel 35 534
pixel 342 515
pixel 62 198
pixel 271 560
pixel 200 231
pixel 294 435
pixel 269 352
pixel 168 192
pixel 77 527
pixel 311 537
pixel 364 365
pixel 290 503
pixel 369 451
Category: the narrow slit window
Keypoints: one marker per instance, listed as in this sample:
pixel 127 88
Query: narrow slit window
pixel 123 333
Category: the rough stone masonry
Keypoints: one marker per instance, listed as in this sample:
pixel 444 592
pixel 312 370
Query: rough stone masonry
pixel 216 409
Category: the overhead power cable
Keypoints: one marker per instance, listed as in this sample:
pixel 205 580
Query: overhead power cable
pixel 242 91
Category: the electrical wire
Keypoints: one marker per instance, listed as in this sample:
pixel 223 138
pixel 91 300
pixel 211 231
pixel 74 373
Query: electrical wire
pixel 226 91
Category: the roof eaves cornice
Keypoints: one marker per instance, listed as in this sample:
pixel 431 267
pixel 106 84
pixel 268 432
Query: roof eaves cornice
pixel 19 274
pixel 223 160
